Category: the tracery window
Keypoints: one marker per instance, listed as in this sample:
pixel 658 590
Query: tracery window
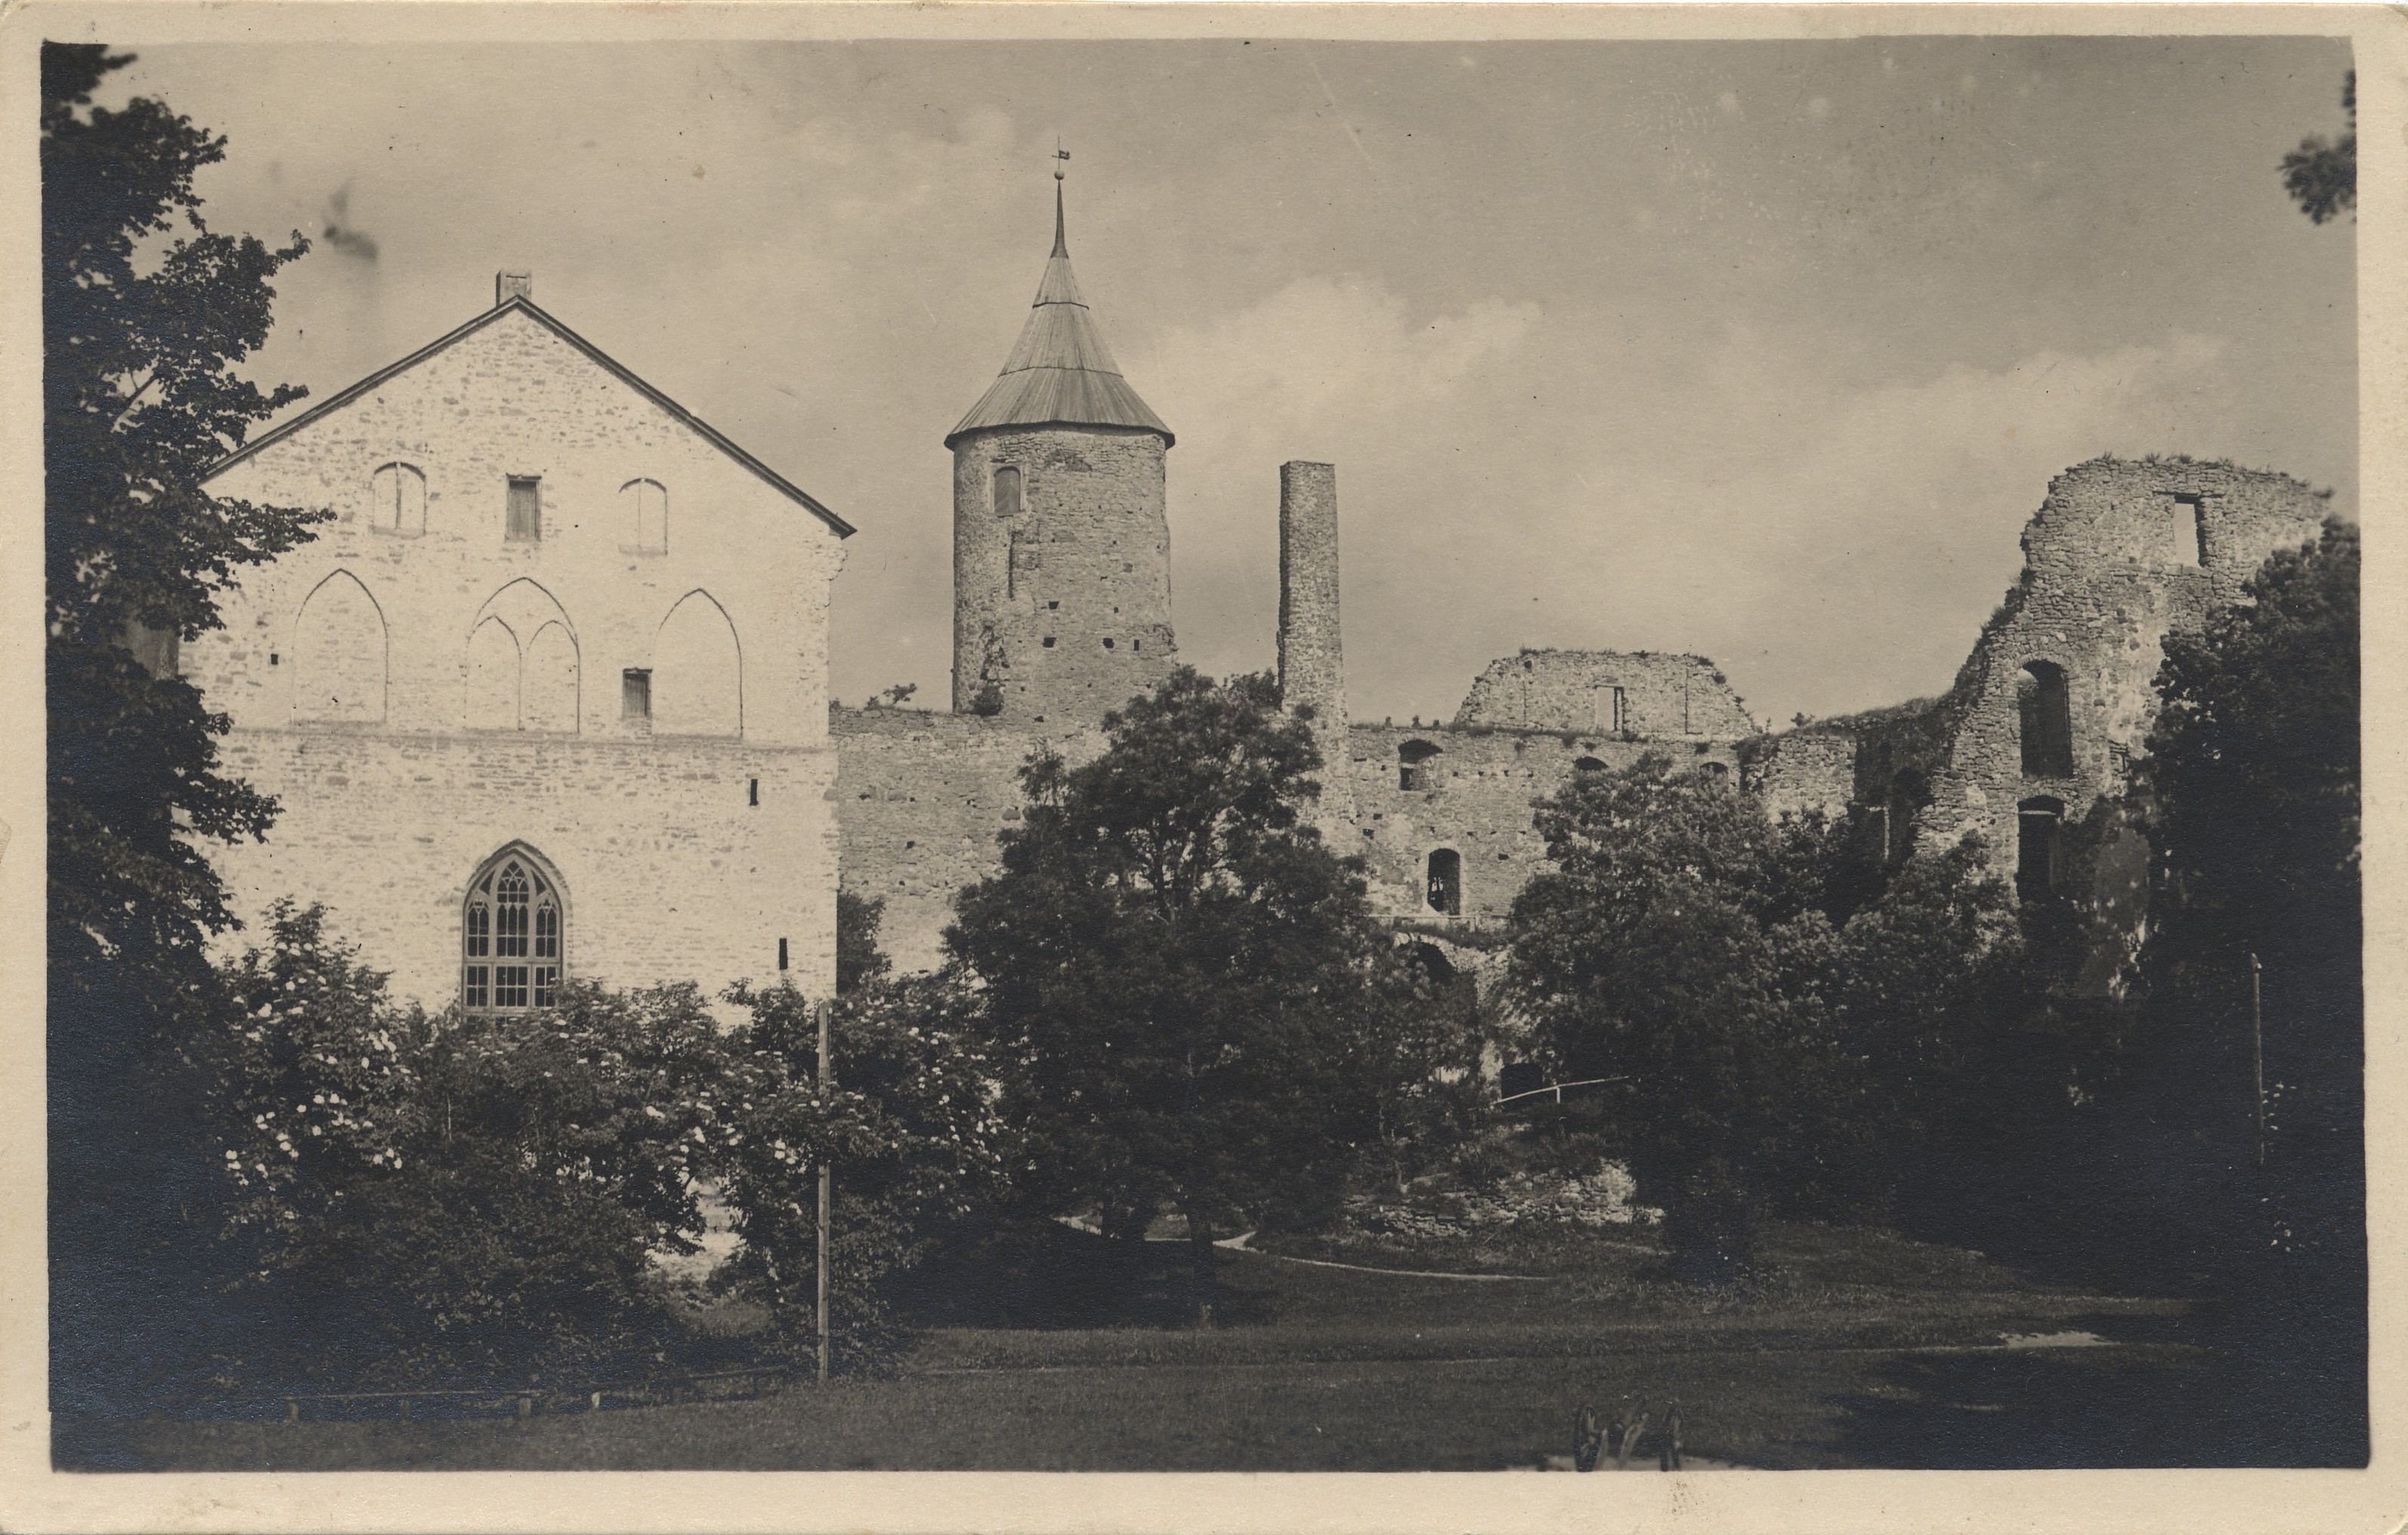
pixel 511 936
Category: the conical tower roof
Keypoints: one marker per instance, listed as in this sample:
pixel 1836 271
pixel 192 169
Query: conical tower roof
pixel 1060 373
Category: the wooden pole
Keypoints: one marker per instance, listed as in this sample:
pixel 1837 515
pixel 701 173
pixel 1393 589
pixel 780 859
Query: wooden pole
pixel 2258 1052
pixel 825 1082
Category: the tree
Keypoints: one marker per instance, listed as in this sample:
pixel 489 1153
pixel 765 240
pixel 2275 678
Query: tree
pixel 1783 1039
pixel 2253 773
pixel 907 1124
pixel 858 958
pixel 2322 178
pixel 146 315
pixel 1176 970
pixel 141 339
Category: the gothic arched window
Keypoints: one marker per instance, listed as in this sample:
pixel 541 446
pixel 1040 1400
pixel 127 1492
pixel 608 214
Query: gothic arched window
pixel 512 936
pixel 397 500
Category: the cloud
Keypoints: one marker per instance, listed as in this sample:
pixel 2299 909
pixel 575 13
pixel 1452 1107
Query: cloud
pixel 1329 368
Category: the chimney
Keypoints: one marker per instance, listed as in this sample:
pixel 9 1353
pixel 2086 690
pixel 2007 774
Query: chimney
pixel 1311 664
pixel 509 285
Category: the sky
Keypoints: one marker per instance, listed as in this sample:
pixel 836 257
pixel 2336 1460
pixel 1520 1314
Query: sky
pixel 1764 350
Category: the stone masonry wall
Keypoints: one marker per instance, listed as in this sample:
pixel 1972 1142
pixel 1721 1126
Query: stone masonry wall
pixel 1065 609
pixel 1477 800
pixel 418 691
pixel 920 799
pixel 1662 696
pixel 672 871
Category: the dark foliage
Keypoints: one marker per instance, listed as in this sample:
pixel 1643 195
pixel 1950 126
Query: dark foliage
pixel 146 316
pixel 858 958
pixel 2321 177
pixel 907 1124
pixel 1788 1030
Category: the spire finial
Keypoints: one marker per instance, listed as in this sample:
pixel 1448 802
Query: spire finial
pixel 1061 157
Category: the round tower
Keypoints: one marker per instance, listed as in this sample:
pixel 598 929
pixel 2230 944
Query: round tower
pixel 1061 546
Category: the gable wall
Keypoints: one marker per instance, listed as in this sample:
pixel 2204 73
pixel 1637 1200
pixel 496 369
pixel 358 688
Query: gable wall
pixel 676 868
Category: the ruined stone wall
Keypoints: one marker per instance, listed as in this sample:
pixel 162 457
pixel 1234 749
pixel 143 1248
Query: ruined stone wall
pixel 1801 770
pixel 684 861
pixel 2108 574
pixel 1475 796
pixel 419 690
pixel 1064 609
pixel 1662 697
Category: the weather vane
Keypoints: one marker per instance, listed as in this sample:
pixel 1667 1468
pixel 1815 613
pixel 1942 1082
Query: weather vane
pixel 1060 155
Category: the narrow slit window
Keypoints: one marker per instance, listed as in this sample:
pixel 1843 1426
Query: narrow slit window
pixel 523 515
pixel 1006 492
pixel 781 954
pixel 752 791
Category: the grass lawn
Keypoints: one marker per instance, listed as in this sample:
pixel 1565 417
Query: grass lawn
pixel 1854 1349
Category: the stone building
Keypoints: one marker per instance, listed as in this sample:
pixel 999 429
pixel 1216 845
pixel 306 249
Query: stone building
pixel 549 695
pixel 1062 612
pixel 2031 745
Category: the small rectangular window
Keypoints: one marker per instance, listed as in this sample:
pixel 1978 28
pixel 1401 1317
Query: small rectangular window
pixel 752 791
pixel 1620 711
pixel 1049 641
pixel 781 954
pixel 2190 530
pixel 524 521
pixel 636 693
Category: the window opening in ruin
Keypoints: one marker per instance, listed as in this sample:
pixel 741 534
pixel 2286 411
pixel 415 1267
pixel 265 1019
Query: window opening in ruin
pixel 645 505
pixel 1053 607
pixel 523 514
pixel 398 495
pixel 514 938
pixel 1909 792
pixel 2190 530
pixel 1137 644
pixel 635 694
pixel 1446 882
pixel 1876 824
pixel 1006 492
pixel 1414 772
pixel 2040 848
pixel 781 954
pixel 752 791
pixel 2046 719
pixel 1108 644
pixel 1049 641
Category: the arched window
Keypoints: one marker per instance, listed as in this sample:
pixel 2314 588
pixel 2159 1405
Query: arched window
pixel 523 670
pixel 698 671
pixel 2040 848
pixel 1006 492
pixel 1446 882
pixel 1413 772
pixel 513 935
pixel 644 510
pixel 339 654
pixel 397 500
pixel 2047 719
